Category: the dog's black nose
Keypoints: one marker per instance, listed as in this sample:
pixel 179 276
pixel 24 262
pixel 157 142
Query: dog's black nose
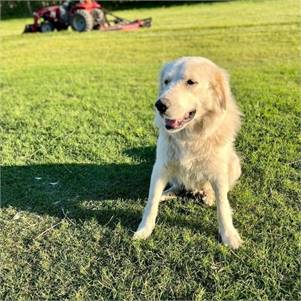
pixel 161 107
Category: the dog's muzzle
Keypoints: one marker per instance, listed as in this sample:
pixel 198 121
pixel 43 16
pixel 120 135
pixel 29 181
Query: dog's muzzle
pixel 176 124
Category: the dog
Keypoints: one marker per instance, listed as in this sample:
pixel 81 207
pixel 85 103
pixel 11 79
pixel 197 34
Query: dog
pixel 198 120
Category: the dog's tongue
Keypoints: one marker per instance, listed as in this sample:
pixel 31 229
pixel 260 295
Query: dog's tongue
pixel 172 123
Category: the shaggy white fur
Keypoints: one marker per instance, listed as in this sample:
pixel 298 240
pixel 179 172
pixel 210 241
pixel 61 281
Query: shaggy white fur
pixel 198 123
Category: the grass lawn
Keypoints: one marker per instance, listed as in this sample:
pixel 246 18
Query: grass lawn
pixel 78 144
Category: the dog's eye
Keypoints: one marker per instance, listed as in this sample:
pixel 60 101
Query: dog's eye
pixel 166 82
pixel 191 82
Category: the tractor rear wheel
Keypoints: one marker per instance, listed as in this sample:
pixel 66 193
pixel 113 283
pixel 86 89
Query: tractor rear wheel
pixel 47 26
pixel 98 17
pixel 82 21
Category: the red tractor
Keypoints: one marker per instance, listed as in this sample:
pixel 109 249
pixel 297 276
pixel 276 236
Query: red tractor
pixel 81 15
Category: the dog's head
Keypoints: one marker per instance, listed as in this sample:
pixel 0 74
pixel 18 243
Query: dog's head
pixel 190 88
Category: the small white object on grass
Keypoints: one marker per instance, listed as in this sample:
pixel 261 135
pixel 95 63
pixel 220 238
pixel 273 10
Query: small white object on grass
pixel 17 216
pixel 54 183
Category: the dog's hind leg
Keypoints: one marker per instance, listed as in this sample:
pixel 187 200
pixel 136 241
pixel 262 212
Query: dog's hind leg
pixel 208 196
pixel 172 192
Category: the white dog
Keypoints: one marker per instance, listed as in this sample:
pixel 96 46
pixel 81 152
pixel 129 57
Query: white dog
pixel 198 121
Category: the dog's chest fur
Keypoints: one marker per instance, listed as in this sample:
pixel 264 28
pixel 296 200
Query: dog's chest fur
pixel 188 162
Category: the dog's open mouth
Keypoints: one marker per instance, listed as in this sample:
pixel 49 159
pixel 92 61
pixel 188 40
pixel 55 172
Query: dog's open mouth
pixel 175 124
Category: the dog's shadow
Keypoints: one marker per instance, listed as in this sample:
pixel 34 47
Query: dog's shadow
pixel 61 189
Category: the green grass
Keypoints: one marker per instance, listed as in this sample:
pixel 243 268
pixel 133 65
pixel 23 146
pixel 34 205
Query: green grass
pixel 77 111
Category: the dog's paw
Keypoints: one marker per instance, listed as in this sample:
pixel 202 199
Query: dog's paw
pixel 143 233
pixel 208 198
pixel 170 193
pixel 231 238
pixel 167 195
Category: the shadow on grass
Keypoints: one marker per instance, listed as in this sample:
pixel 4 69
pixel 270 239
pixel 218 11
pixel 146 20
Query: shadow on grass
pixel 47 188
pixel 111 192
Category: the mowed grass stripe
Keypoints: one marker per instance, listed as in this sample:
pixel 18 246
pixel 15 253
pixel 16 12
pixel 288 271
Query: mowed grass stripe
pixel 79 144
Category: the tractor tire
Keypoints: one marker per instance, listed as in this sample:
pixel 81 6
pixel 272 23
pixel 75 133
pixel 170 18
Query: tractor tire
pixel 98 17
pixel 82 21
pixel 47 26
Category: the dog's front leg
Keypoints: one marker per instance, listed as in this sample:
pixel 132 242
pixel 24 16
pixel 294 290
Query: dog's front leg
pixel 159 180
pixel 227 231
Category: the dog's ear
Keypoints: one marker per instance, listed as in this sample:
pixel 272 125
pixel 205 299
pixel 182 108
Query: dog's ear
pixel 221 88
